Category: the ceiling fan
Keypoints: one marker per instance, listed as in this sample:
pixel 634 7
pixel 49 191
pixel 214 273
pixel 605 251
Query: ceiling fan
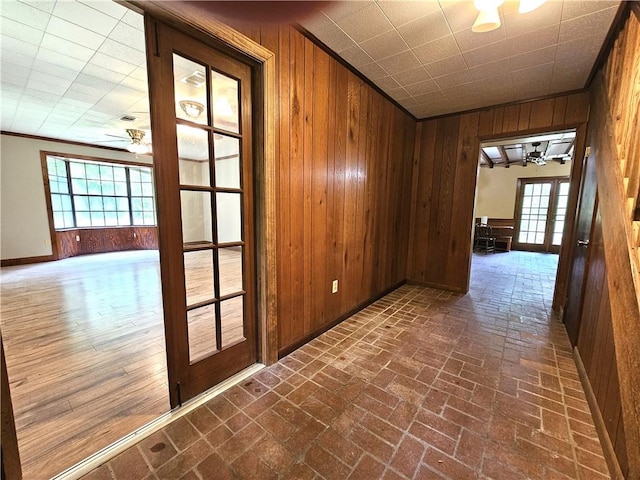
pixel 137 145
pixel 534 156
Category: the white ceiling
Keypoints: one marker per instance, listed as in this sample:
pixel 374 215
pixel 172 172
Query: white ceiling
pixel 424 55
pixel 71 69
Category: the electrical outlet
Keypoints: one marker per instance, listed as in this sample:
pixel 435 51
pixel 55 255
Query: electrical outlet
pixel 47 242
pixel 77 238
pixel 334 286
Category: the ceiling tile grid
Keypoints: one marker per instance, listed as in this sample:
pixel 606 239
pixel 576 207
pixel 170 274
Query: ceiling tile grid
pixel 71 69
pixel 430 43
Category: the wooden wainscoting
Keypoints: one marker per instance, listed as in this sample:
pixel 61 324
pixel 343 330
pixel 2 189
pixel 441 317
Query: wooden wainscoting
pixel 82 241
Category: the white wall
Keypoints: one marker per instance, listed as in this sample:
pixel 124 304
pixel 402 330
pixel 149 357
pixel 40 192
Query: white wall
pixel 496 193
pixel 24 226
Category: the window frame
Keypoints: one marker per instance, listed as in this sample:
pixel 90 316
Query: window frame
pixel 128 165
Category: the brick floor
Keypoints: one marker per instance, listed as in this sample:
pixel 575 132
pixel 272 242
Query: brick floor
pixel 423 384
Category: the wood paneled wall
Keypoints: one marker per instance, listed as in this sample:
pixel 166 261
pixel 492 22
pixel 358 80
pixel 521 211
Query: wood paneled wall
pixel 596 347
pixel 445 172
pixel 102 240
pixel 343 187
pixel 613 151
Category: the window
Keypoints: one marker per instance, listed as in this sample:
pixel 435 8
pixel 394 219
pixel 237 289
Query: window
pixel 99 194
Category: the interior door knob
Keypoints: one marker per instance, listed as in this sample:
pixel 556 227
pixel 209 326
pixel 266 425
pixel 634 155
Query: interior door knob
pixel 583 243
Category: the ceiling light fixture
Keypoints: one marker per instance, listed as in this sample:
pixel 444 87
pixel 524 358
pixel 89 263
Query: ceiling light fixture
pixel 136 146
pixel 192 108
pixel 527 6
pixel 488 18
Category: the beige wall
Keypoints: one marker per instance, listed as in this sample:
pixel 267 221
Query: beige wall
pixel 24 226
pixel 496 192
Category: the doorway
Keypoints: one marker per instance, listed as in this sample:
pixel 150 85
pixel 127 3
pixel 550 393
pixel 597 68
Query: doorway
pixel 540 213
pixel 202 118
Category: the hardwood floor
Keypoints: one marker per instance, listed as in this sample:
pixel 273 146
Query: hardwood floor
pixel 85 351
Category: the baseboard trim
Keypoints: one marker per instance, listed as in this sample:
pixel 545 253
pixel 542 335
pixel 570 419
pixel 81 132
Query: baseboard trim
pixel 605 440
pixel 94 461
pixel 11 262
pixel 283 352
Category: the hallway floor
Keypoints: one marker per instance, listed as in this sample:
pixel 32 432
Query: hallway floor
pixel 422 384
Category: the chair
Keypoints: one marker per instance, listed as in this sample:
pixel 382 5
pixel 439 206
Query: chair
pixel 483 239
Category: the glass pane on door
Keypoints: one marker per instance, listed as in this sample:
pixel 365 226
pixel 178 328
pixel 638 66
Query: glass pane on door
pixel 230 261
pixel 201 328
pixel 232 313
pixel 191 95
pixel 193 156
pixel 198 276
pixel 196 217
pixel 224 95
pixel 533 215
pixel 561 212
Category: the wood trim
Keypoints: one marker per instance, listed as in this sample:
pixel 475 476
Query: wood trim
pixel 89 158
pixel 191 19
pixel 506 105
pixel 68 142
pixel 635 8
pixel 415 173
pixel 10 455
pixel 614 30
pixel 625 310
pixel 10 262
pixel 607 447
pixel 307 338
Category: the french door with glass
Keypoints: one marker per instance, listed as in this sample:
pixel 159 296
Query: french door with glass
pixel 541 207
pixel 202 147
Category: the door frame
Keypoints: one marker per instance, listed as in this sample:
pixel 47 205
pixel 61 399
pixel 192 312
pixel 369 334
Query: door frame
pixel 547 246
pixel 191 20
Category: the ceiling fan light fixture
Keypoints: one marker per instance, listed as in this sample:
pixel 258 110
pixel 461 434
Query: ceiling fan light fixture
pixel 191 108
pixel 527 6
pixel 487 21
pixel 136 146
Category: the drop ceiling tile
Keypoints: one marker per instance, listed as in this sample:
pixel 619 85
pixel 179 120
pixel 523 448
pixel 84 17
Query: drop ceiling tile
pixel 93 70
pixel 85 16
pixel 10 59
pixel 335 38
pixel 585 46
pixel 435 96
pixel 66 47
pixel 385 45
pixel 572 10
pixel 399 63
pixel 425 29
pixel 110 8
pixel 398 93
pixel 14 45
pixel 535 40
pixel 386 83
pixel 140 73
pixel 91 98
pixel 492 69
pixel 426 86
pixel 538 90
pixel 412 76
pixel 486 54
pixel 120 51
pixel 446 66
pixel 443 47
pixel 60 59
pixel 400 13
pixel 468 40
pixel 26 14
pixel 528 59
pixel 355 56
pixel 595 24
pixel 43 5
pixel 549 13
pixel 366 23
pixel 535 74
pixel 96 83
pixel 134 20
pixel 111 63
pixel 74 33
pixel 20 31
pixel 453 79
pixel 373 71
pixel 135 84
pixel 338 10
